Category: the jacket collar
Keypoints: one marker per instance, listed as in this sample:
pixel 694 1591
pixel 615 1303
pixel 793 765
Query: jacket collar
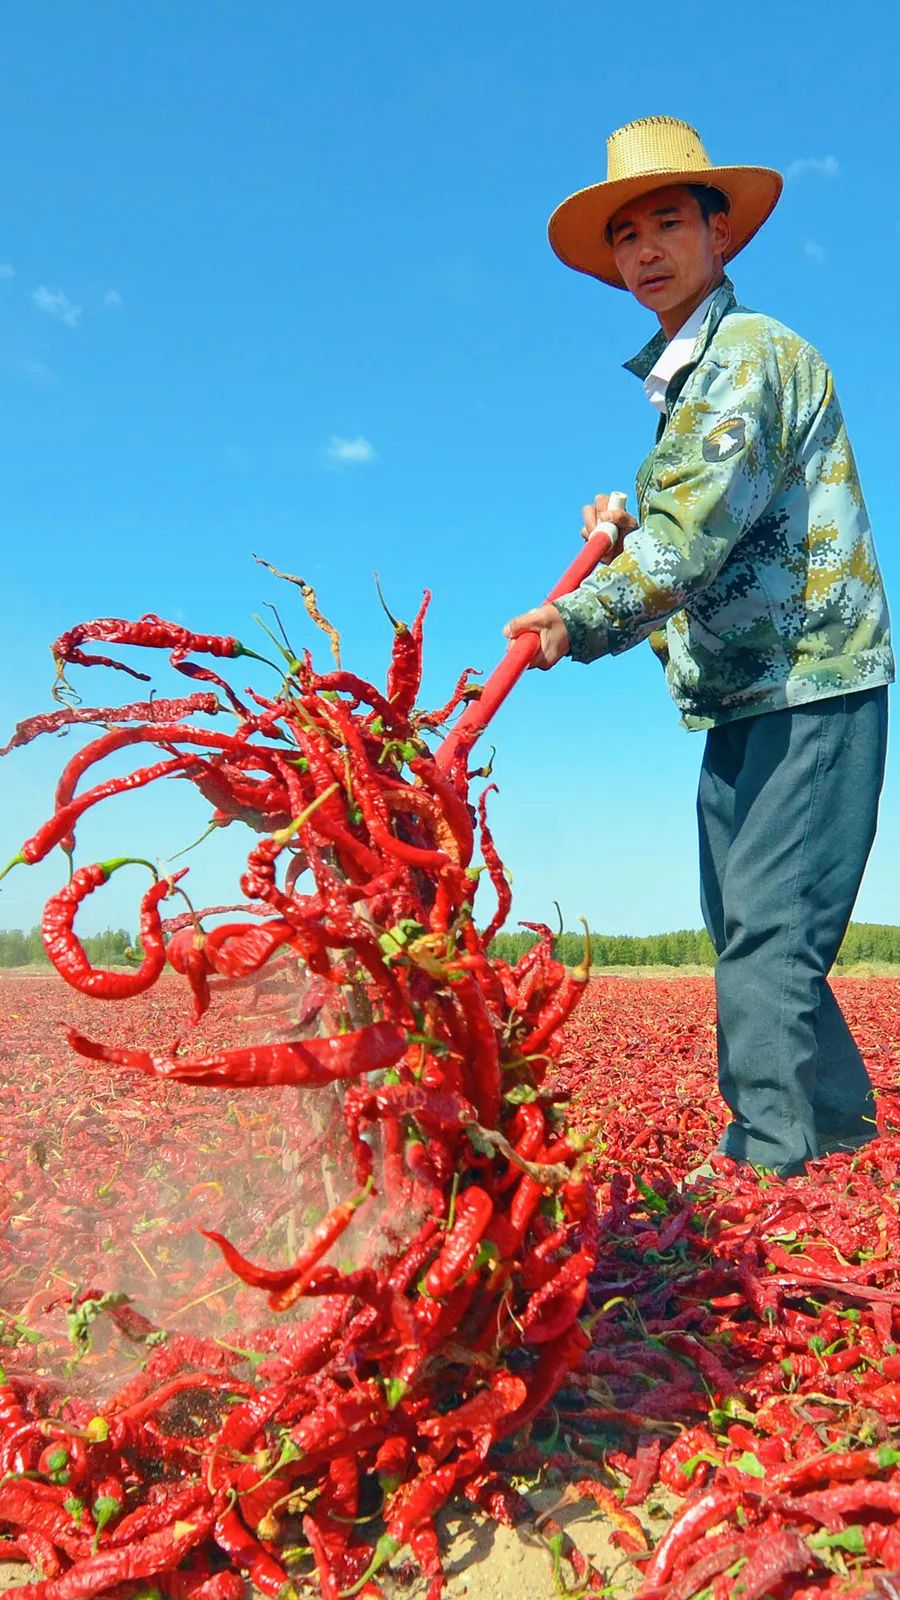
pixel 725 300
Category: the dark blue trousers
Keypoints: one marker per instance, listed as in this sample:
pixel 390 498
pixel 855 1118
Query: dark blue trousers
pixel 787 807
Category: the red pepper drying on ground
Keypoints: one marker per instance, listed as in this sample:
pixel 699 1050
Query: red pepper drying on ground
pixel 108 1504
pixel 159 1552
pixel 772 1559
pixel 694 1442
pixel 646 1466
pixel 713 1507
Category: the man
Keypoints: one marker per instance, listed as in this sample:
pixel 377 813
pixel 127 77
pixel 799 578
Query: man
pixel 753 551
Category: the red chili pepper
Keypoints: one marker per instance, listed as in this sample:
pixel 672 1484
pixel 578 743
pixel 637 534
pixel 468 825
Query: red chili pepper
pixel 312 1061
pixel 463 690
pixel 150 632
pixel 482 1075
pixel 772 1559
pixel 405 671
pixel 474 1209
pixel 67 953
pixel 333 1423
pixel 235 1539
pixel 713 1507
pixel 236 949
pixel 57 827
pixel 176 1504
pixel 424 1544
pixel 283 1280
pixel 478 1415
pixel 694 1442
pixel 646 1466
pixel 496 870
pixel 830 1467
pixel 526 1133
pixel 186 953
pixel 561 1006
pixel 452 807
pixel 159 1552
pixel 554 1307
pixel 419 1502
pixel 108 1504
pixel 141 711
pixel 323 1555
pixel 555 1361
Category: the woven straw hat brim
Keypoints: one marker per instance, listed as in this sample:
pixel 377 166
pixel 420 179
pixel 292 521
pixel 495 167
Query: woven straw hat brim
pixel 577 227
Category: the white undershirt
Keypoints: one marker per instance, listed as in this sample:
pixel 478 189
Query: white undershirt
pixel 676 355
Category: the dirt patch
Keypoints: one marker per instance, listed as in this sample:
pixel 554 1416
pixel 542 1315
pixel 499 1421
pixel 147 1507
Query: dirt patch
pixel 15 1573
pixel 486 1562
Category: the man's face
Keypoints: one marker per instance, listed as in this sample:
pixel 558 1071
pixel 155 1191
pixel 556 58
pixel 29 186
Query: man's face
pixel 669 257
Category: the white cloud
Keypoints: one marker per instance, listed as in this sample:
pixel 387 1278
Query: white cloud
pixel 57 304
pixel 113 300
pixel 819 166
pixel 6 271
pixel 813 251
pixel 351 452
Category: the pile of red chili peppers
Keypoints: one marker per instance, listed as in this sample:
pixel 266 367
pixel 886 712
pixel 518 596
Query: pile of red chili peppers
pixel 387 1398
pixel 537 1299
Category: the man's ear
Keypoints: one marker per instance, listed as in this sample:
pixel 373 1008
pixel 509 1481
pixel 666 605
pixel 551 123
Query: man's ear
pixel 720 232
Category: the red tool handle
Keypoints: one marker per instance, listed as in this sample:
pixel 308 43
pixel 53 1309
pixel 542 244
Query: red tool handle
pixel 523 650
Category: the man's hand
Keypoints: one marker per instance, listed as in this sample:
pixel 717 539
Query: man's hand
pixel 600 512
pixel 545 621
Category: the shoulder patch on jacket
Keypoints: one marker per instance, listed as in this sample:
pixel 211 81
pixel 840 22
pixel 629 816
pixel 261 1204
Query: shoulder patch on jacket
pixel 724 440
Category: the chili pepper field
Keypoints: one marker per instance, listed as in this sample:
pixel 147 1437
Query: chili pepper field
pixel 339 1257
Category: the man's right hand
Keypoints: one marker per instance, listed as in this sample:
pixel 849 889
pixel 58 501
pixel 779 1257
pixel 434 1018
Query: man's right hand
pixel 545 621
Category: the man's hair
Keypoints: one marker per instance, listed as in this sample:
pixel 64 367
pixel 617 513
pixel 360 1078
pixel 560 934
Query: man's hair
pixel 712 202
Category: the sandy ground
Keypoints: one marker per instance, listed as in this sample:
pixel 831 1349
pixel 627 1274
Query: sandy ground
pixel 486 1562
pixel 483 1561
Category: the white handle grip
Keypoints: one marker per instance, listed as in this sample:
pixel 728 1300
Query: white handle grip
pixel 617 502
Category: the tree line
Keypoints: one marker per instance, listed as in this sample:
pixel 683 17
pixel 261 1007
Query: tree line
pixel 107 949
pixel 865 941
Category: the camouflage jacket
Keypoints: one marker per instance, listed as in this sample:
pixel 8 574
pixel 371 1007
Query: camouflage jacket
pixel 754 546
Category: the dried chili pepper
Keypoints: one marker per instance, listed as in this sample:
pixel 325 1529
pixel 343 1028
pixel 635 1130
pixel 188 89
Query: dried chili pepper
pixel 314 1061
pixel 67 953
pixel 282 1280
pixel 474 1210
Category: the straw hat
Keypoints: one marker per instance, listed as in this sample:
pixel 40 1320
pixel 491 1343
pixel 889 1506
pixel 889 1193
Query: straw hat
pixel 650 154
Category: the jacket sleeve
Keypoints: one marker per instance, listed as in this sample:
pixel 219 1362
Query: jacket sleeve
pixel 714 472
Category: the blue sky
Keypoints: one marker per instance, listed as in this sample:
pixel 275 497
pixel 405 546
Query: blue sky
pixel 274 277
